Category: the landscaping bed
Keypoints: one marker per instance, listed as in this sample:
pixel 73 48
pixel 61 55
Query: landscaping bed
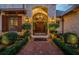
pixel 65 48
pixel 11 44
pixel 68 42
pixel 13 49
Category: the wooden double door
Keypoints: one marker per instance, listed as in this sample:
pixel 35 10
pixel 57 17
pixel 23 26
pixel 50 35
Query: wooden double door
pixel 40 26
pixel 11 23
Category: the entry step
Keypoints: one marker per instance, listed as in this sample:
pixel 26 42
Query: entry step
pixel 40 39
pixel 34 36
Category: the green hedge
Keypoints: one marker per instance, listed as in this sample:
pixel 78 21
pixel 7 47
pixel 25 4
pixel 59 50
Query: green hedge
pixel 53 26
pixel 26 34
pixel 2 48
pixel 65 48
pixel 70 37
pixel 15 48
pixel 9 38
pixel 26 26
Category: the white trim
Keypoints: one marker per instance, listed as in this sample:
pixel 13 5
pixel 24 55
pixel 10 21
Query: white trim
pixel 34 36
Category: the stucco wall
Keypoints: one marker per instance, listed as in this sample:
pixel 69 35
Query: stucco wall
pixel 60 26
pixel 71 23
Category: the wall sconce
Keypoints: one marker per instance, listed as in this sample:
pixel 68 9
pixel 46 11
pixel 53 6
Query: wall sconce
pixel 27 19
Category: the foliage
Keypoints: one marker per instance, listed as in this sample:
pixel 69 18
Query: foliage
pixel 2 47
pixel 65 48
pixel 53 26
pixel 9 37
pixel 5 40
pixel 56 34
pixel 26 34
pixel 71 38
pixel 15 48
pixel 26 26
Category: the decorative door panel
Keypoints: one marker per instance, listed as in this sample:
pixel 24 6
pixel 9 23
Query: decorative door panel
pixel 40 19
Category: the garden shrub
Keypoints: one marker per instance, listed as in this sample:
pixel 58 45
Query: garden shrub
pixel 26 34
pixel 71 38
pixel 2 47
pixel 65 48
pixel 53 26
pixel 9 38
pixel 15 48
pixel 26 26
pixel 5 40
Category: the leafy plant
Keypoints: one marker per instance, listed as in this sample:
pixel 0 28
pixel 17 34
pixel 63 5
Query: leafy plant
pixel 26 34
pixel 26 26
pixel 9 37
pixel 15 48
pixel 65 48
pixel 71 38
pixel 53 26
pixel 5 40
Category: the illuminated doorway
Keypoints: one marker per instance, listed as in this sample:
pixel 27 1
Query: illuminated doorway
pixel 40 21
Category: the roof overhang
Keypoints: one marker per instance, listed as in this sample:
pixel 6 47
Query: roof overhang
pixel 64 9
pixel 14 11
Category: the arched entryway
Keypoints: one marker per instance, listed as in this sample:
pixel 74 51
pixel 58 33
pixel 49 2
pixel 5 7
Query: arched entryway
pixel 40 21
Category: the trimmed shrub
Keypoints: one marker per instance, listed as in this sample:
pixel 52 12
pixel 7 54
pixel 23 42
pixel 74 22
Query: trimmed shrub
pixel 9 38
pixel 65 48
pixel 2 47
pixel 27 33
pixel 26 26
pixel 71 38
pixel 57 41
pixel 15 48
pixel 53 26
pixel 5 40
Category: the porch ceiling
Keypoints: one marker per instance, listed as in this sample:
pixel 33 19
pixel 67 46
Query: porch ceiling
pixel 62 9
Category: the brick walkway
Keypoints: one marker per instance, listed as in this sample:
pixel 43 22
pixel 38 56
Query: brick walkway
pixel 40 48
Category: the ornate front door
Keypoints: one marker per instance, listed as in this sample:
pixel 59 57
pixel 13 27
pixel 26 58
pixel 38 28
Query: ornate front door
pixel 40 20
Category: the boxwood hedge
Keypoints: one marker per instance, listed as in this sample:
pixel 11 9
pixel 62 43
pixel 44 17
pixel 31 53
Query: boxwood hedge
pixel 65 48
